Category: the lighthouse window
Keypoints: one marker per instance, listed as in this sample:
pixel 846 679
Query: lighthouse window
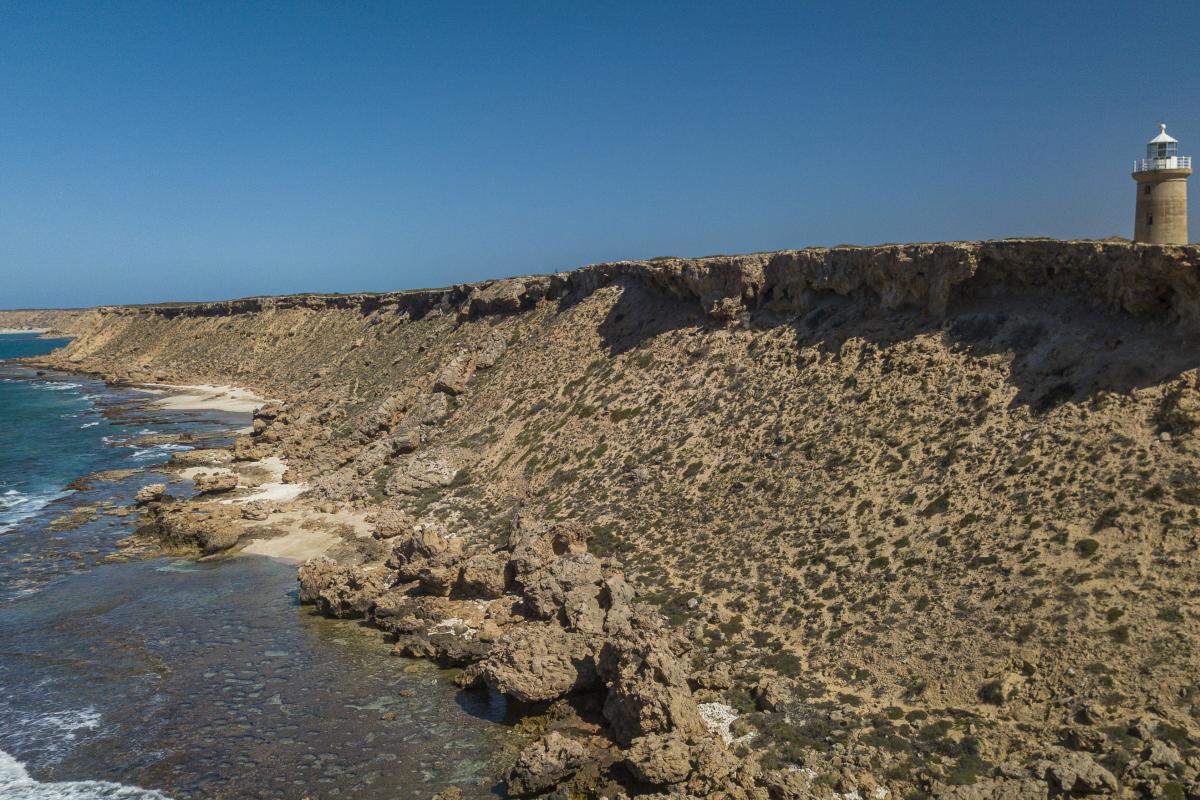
pixel 1146 190
pixel 1149 219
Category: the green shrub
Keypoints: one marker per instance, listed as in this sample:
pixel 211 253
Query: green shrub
pixel 620 414
pixel 938 505
pixel 1086 548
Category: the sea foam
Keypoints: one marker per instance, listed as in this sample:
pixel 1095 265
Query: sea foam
pixel 16 784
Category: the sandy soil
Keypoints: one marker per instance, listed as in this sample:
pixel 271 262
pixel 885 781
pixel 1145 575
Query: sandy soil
pixel 23 330
pixel 207 397
pixel 308 534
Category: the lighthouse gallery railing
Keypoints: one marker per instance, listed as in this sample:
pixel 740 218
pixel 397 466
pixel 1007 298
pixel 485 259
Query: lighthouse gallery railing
pixel 1152 164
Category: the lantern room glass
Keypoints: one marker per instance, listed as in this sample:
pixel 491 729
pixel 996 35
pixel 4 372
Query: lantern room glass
pixel 1162 150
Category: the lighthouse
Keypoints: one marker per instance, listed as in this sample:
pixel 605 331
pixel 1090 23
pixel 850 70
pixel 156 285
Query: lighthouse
pixel 1160 216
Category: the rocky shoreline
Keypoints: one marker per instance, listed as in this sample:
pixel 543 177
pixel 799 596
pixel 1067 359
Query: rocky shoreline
pixel 539 620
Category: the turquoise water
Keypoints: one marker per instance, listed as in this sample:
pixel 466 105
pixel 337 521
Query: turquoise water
pixel 170 678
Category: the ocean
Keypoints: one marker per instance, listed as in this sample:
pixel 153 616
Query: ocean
pixel 170 678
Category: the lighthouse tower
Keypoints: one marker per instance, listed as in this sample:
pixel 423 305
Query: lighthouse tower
pixel 1161 211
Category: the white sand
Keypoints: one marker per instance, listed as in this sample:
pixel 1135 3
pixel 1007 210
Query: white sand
pixel 207 397
pixel 23 330
pixel 274 489
pixel 279 492
pixel 191 472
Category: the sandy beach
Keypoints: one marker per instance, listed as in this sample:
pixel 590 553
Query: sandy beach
pixel 4 331
pixel 207 397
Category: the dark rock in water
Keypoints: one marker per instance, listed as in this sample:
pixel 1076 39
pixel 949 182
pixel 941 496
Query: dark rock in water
pixel 150 493
pixel 208 527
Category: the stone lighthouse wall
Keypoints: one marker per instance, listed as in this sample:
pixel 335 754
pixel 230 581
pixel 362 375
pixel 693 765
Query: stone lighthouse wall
pixel 1165 203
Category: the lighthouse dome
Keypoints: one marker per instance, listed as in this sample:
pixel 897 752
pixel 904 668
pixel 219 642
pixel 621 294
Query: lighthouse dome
pixel 1163 137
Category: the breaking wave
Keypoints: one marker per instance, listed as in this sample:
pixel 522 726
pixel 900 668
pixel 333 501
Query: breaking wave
pixel 16 784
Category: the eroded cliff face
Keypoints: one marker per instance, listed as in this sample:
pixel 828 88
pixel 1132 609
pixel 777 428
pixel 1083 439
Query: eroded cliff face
pixel 65 322
pixel 949 493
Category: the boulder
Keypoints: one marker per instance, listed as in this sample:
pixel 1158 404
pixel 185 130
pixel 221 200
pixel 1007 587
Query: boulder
pixel 455 376
pixel 201 457
pixel 1002 689
pixel 541 661
pixel 505 296
pixel 490 351
pixel 659 759
pixel 647 688
pixel 385 416
pixel 404 614
pixel 405 440
pixel 582 611
pixel 339 591
pixel 1078 773
pixel 482 576
pixel 544 764
pixel 994 789
pixel 390 523
pixel 428 409
pixel 256 511
pixel 215 482
pixel 772 693
pixel 435 576
pixel 208 527
pixel 419 473
pixel 533 545
pixel 150 493
pixel 546 589
pixel 428 556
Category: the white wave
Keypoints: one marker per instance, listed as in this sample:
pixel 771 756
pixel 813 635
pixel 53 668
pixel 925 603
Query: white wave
pixel 16 784
pixel 17 506
pixel 88 425
pixel 60 727
pixel 57 387
pixel 157 451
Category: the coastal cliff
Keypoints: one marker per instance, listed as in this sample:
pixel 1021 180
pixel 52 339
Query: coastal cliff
pixel 919 518
pixel 54 322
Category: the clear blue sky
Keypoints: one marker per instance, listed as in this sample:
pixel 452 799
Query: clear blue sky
pixel 168 150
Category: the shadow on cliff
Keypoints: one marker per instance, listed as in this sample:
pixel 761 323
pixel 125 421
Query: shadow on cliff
pixel 1060 348
pixel 643 312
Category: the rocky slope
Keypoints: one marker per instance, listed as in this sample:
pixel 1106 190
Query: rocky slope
pixel 925 516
